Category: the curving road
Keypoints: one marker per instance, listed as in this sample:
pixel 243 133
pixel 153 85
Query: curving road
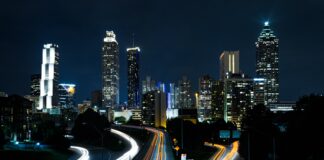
pixel 84 152
pixel 130 154
pixel 225 153
pixel 160 148
pixel 102 153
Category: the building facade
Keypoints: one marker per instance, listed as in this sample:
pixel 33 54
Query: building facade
pixel 48 99
pixel 148 85
pixel 229 63
pixel 110 70
pixel 185 96
pixel 267 62
pixel 133 55
pixel 259 91
pixel 217 99
pixel 34 85
pixel 205 98
pixel 66 95
pixel 154 108
pixel 238 97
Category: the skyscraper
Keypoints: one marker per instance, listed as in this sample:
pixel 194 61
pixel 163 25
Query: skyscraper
pixel 66 95
pixel 229 63
pixel 148 85
pixel 34 85
pixel 205 98
pixel 133 77
pixel 267 62
pixel 185 99
pixel 49 78
pixel 110 71
pixel 237 98
pixel 259 91
pixel 154 108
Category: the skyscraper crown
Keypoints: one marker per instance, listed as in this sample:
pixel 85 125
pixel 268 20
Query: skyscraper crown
pixel 110 37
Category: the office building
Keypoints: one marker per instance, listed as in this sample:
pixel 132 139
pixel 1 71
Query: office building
pixel 229 63
pixel 259 91
pixel 110 71
pixel 66 95
pixel 48 100
pixel 15 115
pixel 154 109
pixel 148 85
pixel 96 99
pixel 205 98
pixel 34 85
pixel 185 96
pixel 217 99
pixel 283 106
pixel 238 97
pixel 133 55
pixel 267 62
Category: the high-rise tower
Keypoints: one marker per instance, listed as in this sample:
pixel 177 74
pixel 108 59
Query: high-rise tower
pixel 267 62
pixel 110 71
pixel 133 77
pixel 49 78
pixel 229 63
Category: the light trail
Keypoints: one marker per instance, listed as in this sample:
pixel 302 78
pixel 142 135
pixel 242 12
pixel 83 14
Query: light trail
pixel 84 152
pixel 157 150
pixel 220 153
pixel 233 151
pixel 130 154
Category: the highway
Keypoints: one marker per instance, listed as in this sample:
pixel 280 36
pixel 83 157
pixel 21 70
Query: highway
pixel 84 152
pixel 130 154
pixel 225 152
pixel 102 153
pixel 160 147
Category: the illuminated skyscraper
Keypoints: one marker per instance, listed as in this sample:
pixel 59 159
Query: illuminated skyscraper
pixel 110 71
pixel 66 95
pixel 148 85
pixel 205 98
pixel 49 78
pixel 238 97
pixel 185 99
pixel 267 62
pixel 259 91
pixel 229 63
pixel 133 77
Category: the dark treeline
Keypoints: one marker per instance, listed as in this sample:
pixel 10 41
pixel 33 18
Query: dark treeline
pixel 292 135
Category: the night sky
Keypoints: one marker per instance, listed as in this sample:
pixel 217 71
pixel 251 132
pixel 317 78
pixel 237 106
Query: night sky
pixel 176 38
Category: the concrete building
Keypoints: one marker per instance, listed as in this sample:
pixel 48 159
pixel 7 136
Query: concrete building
pixel 48 100
pixel 229 63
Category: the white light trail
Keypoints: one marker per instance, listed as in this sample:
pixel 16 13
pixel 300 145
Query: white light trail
pixel 134 147
pixel 84 152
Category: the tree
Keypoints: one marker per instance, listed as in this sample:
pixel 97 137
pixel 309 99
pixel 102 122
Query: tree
pixel 90 127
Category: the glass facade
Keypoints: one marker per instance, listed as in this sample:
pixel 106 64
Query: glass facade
pixel 133 100
pixel 110 71
pixel 267 62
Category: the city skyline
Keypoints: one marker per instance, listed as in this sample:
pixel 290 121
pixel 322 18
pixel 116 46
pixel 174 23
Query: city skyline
pixel 80 49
